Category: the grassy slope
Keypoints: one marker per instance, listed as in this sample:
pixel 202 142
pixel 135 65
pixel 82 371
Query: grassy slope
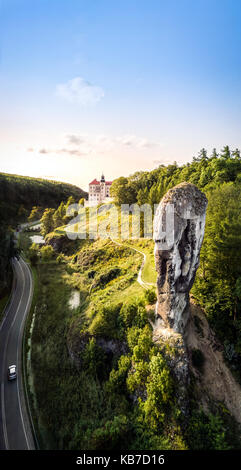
pixel 69 399
pixel 145 245
pixel 62 393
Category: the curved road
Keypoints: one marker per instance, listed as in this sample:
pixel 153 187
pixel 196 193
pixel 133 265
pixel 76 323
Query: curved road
pixel 15 429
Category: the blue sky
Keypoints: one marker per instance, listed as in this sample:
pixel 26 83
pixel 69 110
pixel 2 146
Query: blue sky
pixel 95 85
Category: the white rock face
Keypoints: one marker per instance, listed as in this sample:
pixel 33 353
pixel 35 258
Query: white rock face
pixel 179 225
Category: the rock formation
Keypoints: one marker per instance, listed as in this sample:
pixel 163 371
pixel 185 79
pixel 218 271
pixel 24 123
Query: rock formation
pixel 178 234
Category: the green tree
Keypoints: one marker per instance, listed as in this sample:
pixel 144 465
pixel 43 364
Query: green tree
pixel 35 214
pixel 217 282
pixel 59 216
pixel 81 201
pixel 70 201
pixel 47 252
pixel 159 392
pixel 47 222
pixel 123 191
pixel 33 254
pixel 225 152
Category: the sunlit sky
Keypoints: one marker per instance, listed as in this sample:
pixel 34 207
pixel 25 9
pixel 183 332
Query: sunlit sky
pixel 116 86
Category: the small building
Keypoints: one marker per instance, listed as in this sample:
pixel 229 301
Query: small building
pixel 99 191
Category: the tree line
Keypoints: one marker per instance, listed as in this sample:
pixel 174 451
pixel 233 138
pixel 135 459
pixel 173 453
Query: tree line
pixel 218 281
pixel 18 195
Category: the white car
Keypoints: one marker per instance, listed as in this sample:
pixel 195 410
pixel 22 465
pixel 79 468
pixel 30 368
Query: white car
pixel 12 372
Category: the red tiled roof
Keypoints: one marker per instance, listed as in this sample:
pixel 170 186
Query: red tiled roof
pixel 95 182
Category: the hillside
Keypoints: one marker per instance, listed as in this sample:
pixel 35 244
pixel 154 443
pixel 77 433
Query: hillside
pixel 217 286
pixel 115 388
pixel 20 193
pixel 92 325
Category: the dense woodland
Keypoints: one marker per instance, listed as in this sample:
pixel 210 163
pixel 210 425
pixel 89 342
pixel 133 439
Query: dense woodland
pixel 218 281
pixel 125 396
pixel 18 194
pixel 88 395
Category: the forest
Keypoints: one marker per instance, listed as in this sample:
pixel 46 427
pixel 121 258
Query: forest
pixel 114 388
pixel 18 194
pixel 218 282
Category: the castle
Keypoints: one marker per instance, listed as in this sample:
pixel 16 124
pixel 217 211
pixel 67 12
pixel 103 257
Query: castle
pixel 99 191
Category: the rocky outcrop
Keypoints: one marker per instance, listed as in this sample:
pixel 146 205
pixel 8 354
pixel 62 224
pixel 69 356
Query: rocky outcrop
pixel 178 234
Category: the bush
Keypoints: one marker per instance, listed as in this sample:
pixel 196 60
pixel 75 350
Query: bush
pixel 47 252
pixel 105 322
pixel 33 254
pixel 93 359
pixel 117 379
pixel 206 432
pixel 159 393
pixel 112 434
pixel 150 296
pixel 134 313
pixel 60 258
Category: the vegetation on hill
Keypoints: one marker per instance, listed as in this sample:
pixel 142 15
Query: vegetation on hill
pixel 18 195
pixel 86 404
pixel 218 281
pixel 206 172
pixel 6 252
pixel 100 382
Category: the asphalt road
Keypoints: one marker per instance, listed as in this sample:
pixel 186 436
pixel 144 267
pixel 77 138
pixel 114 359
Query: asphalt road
pixel 15 430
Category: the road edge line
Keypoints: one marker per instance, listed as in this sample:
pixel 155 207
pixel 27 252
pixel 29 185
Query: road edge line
pixel 23 364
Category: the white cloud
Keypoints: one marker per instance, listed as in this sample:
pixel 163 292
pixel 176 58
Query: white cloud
pixel 75 139
pixel 80 91
pixel 134 141
pixel 83 145
pixel 107 142
pixel 74 152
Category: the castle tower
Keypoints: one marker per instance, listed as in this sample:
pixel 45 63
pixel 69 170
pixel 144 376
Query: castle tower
pixel 99 191
pixel 102 186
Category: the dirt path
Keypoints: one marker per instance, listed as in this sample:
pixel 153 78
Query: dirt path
pixel 144 284
pixel 216 382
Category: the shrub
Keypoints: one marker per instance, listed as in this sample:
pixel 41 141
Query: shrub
pixel 33 254
pixel 111 434
pixel 117 379
pixel 137 379
pixel 105 322
pixel 150 296
pixel 206 432
pixel 134 313
pixel 47 252
pixel 159 392
pixel 93 359
pixel 105 278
